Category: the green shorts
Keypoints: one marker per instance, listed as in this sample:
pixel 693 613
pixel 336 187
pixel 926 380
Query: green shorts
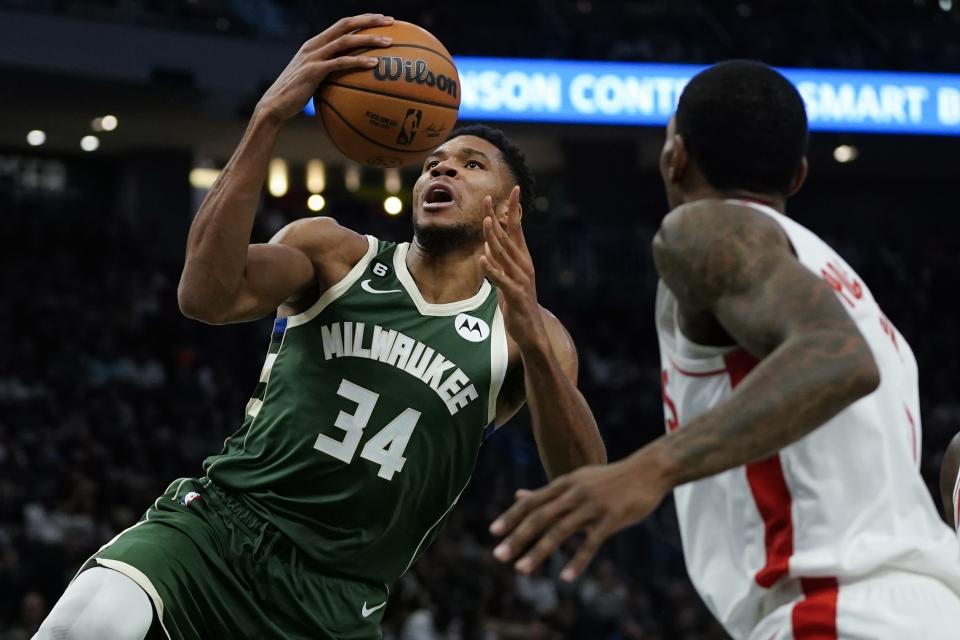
pixel 213 569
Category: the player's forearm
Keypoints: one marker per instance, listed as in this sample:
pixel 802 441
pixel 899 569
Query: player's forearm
pixel 799 387
pixel 219 236
pixel 563 425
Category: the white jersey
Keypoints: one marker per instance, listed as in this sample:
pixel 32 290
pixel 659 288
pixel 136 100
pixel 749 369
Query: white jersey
pixel 843 503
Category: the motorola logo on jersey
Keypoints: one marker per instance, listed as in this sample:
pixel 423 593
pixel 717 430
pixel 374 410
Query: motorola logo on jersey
pixel 471 328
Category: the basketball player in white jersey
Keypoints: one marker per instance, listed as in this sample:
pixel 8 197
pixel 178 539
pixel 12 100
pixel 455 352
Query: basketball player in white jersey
pixel 950 483
pixel 791 404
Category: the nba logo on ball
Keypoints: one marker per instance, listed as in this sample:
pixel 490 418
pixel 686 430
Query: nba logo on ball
pixel 374 115
pixel 409 127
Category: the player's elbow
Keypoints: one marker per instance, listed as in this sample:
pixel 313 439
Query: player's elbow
pixel 196 304
pixel 864 378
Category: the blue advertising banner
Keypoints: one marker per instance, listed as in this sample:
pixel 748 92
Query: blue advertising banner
pixel 623 93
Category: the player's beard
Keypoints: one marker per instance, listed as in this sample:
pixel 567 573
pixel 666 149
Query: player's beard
pixel 439 239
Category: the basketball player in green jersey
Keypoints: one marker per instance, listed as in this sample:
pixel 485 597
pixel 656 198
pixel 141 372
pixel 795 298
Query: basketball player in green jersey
pixel 387 364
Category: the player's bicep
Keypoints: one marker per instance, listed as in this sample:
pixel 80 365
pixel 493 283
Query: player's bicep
pixel 274 274
pixel 738 265
pixel 784 299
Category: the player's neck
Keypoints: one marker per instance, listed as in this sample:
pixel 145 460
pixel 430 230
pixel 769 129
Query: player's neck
pixel 776 202
pixel 447 277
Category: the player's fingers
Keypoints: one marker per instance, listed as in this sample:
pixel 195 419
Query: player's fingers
pixel 346 25
pixel 497 244
pixel 553 538
pixel 493 272
pixel 317 71
pixel 532 526
pixel 509 519
pixel 350 42
pixel 585 553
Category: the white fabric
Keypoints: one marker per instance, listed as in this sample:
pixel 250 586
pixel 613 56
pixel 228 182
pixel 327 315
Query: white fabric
pixel 100 604
pixel 856 502
pixel 894 606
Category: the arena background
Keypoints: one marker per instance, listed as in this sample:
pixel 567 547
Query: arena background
pixel 107 393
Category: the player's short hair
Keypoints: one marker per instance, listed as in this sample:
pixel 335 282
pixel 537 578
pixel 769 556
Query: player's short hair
pixel 744 125
pixel 512 155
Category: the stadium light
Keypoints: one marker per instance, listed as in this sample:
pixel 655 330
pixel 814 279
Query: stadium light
pixel 316 176
pixel 393 205
pixel 316 202
pixel 391 180
pixel 89 143
pixel 109 122
pixel 203 177
pixel 36 137
pixel 351 177
pixel 845 153
pixel 278 178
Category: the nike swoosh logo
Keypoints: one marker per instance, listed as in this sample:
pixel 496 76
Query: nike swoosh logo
pixel 366 612
pixel 365 285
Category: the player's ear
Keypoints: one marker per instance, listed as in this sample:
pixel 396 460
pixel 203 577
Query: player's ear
pixel 678 161
pixel 799 177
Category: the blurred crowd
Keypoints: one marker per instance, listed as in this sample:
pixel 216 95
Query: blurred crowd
pixel 875 34
pixel 107 393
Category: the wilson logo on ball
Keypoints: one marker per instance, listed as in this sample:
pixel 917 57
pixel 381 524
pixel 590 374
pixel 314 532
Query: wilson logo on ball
pixel 394 68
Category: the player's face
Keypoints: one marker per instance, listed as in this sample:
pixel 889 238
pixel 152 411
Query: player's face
pixel 456 178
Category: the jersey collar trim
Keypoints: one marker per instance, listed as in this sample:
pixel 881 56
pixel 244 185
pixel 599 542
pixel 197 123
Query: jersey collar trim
pixel 426 308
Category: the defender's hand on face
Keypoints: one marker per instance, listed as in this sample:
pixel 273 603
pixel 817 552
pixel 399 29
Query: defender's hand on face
pixel 319 56
pixel 597 500
pixel 507 262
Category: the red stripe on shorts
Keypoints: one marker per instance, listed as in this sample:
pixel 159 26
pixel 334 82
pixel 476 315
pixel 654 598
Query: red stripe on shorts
pixel 770 492
pixel 815 617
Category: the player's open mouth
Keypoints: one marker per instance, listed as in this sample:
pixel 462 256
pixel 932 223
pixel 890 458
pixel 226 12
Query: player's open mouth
pixel 438 197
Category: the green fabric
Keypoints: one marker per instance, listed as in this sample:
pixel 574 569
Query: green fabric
pixel 370 359
pixel 222 572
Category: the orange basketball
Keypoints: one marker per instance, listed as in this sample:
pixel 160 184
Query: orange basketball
pixel 399 111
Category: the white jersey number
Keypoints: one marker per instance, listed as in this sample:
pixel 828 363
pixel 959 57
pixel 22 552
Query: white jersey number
pixel 385 449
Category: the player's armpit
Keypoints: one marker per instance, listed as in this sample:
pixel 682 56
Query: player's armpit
pixel 736 264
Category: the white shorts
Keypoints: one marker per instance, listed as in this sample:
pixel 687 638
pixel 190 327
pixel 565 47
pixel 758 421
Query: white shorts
pixel 893 606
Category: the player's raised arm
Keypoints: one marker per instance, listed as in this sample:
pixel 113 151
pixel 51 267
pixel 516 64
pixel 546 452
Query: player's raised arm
pixel 563 425
pixel 226 280
pixel 735 264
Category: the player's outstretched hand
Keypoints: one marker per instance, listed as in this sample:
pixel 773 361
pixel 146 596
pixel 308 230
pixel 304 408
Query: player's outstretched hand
pixel 598 500
pixel 319 56
pixel 507 262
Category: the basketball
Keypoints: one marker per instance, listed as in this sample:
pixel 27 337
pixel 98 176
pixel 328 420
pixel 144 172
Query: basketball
pixel 396 113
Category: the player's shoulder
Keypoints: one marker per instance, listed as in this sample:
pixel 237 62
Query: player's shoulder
pixel 703 223
pixel 322 236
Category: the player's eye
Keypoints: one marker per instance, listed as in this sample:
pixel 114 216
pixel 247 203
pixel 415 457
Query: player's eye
pixel 473 164
pixel 430 164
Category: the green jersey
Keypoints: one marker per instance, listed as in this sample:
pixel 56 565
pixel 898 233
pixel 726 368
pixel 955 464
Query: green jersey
pixel 365 426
